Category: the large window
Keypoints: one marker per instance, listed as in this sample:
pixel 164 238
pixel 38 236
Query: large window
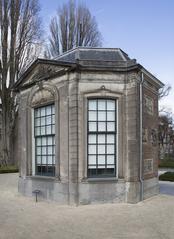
pixel 44 133
pixel 101 137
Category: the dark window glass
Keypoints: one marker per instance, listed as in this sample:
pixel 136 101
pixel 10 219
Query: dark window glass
pixel 44 132
pixel 101 137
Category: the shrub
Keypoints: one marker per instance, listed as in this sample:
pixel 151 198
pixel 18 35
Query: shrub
pixel 9 169
pixel 168 176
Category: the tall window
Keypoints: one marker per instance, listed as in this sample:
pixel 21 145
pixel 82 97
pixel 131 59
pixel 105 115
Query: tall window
pixel 44 132
pixel 101 137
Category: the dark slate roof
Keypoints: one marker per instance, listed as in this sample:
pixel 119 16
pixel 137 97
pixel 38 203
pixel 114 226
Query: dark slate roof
pixel 94 54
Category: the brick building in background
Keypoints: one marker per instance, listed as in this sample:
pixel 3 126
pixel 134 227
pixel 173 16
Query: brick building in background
pixel 87 128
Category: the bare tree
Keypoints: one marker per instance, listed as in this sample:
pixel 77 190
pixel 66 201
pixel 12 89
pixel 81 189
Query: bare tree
pixel 20 31
pixel 164 91
pixel 73 26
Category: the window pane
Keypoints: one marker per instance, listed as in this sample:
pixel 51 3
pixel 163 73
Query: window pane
pixel 49 158
pixel 110 149
pixel 101 116
pixel 53 109
pixel 42 130
pixel 48 110
pixel 48 129
pixel 101 105
pixel 38 159
pixel 101 126
pixel 92 104
pixel 92 126
pixel 43 111
pixel 101 159
pixel 101 149
pixel 50 140
pixel 37 112
pixel 48 120
pixel 110 138
pixel 92 159
pixel 38 151
pixel 92 139
pixel 44 159
pixel 110 126
pixel 111 115
pixel 92 149
pixel 110 159
pixel 50 149
pixel 44 150
pixel 101 138
pixel 92 115
pixel 42 121
pixel 38 141
pixel 110 105
pixel 37 122
pixel 37 131
pixel 44 142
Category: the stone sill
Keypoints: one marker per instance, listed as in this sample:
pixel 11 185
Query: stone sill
pixel 102 180
pixel 43 178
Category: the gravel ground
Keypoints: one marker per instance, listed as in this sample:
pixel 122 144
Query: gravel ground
pixel 22 218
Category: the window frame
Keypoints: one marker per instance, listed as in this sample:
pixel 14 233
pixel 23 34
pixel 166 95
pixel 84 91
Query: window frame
pixel 115 133
pixel 34 145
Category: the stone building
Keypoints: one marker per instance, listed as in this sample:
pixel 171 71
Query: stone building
pixel 88 128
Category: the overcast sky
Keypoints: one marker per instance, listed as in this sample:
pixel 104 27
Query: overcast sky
pixel 144 29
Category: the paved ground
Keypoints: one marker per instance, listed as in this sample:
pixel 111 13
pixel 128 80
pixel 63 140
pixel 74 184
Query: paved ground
pixel 22 218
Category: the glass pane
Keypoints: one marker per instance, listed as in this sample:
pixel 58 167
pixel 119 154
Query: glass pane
pixel 50 149
pixel 37 131
pixel 92 159
pixel 44 159
pixel 50 142
pixel 37 112
pixel 110 166
pixel 54 150
pixel 38 150
pixel 110 104
pixel 92 115
pixel 101 126
pixel 42 130
pixel 37 122
pixel 111 115
pixel 49 158
pixel 110 139
pixel 42 121
pixel 53 129
pixel 53 109
pixel 92 139
pixel 92 126
pixel 53 159
pixel 92 104
pixel 101 138
pixel 101 149
pixel 101 105
pixel 110 126
pixel 44 150
pixel 38 159
pixel 42 111
pixel 110 149
pixel 91 166
pixel 48 129
pixel 110 159
pixel 101 159
pixel 48 120
pixel 92 149
pixel 48 110
pixel 101 116
pixel 44 142
pixel 53 119
pixel 38 141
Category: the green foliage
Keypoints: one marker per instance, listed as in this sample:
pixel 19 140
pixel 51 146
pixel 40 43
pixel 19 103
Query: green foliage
pixel 167 162
pixel 9 169
pixel 168 176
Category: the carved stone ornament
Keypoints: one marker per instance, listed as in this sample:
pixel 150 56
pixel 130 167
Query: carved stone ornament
pixel 41 97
